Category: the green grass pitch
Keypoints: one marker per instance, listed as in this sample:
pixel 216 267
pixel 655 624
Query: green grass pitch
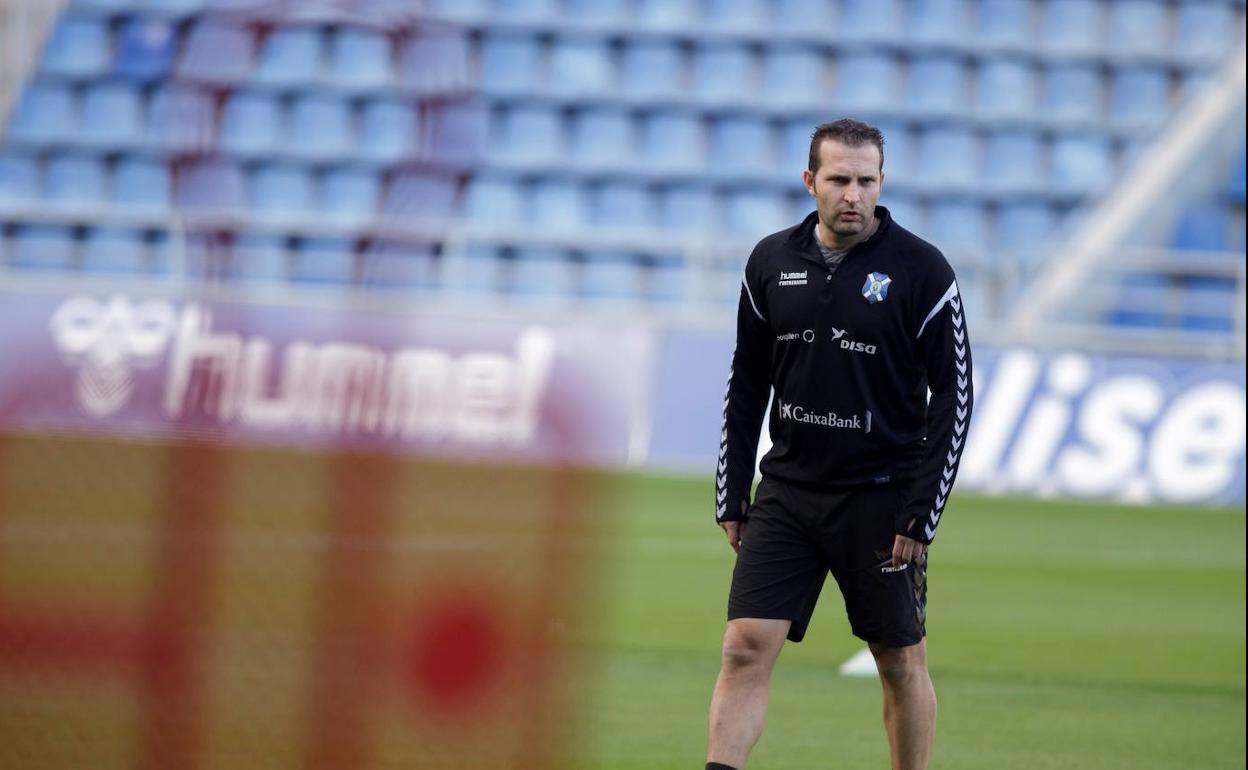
pixel 1062 636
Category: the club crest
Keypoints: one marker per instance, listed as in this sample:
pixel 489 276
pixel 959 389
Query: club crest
pixel 876 288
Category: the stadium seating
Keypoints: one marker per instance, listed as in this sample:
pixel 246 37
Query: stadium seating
pixel 625 118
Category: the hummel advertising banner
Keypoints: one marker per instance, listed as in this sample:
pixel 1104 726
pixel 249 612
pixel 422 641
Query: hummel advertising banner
pixel 312 377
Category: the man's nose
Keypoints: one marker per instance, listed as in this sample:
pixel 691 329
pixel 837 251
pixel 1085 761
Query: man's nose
pixel 851 193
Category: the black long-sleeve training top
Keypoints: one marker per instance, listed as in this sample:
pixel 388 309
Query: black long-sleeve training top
pixel 851 355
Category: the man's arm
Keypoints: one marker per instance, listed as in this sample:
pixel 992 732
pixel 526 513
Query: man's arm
pixel 945 351
pixel 745 404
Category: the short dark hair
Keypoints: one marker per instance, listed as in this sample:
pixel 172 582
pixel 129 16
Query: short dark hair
pixel 847 131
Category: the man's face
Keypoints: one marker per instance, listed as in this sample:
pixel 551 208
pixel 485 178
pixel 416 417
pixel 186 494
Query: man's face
pixel 846 186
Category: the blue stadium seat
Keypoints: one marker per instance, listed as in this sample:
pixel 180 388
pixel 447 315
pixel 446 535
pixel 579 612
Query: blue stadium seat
pixel 281 191
pixel 604 12
pixel 668 14
pixel 557 204
pixel 398 266
pixel 435 61
pixel 459 10
pixel 1209 304
pixel 1024 230
pixel 937 86
pixel 799 206
pixel 350 195
pixel 723 72
pixel 900 153
pixel 45 115
pixel 673 141
pixel 795 146
pixel 420 196
pixel 1073 94
pixel 323 261
pixel 871 19
pixel 737 14
pixel 603 137
pixel 741 144
pixel 146 48
pixel 212 185
pixel 19 178
pixel 524 10
pixel 456 132
pixel 112 250
pixel 112 116
pixel 252 124
pixel 957 227
pixel 664 278
pixel 360 58
pixel 291 56
pixel 905 211
pixel 78 48
pixel 939 21
pixel 320 127
pixel 689 207
pixel 1235 181
pixel 580 67
pixel 259 258
pixel 1192 84
pixel 548 274
pixel 621 205
pixel 142 183
pixel 947 158
pixel 651 69
pixel 388 131
pixel 1202 228
pixel 867 81
pixel 1138 26
pixel 1006 89
pixel 610 276
pixel 530 135
pixel 75 180
pixel 179 119
pixel 477 270
pixel 1003 24
pixel 1140 97
pixel 794 75
pixel 1014 162
pixel 494 200
pixel 43 247
pixel 218 53
pixel 1072 25
pixel 509 63
pixel 1081 163
pixel 176 8
pixel 757 212
pixel 1205 29
pixel 802 15
pixel 1141 301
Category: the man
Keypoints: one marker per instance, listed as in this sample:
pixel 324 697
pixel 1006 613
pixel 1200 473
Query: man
pixel 851 319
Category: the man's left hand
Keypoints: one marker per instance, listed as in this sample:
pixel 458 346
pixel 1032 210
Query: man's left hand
pixel 906 550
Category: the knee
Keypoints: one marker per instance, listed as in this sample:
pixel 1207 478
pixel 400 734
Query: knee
pixel 744 651
pixel 900 667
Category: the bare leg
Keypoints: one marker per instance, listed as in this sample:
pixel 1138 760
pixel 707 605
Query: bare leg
pixel 909 704
pixel 739 704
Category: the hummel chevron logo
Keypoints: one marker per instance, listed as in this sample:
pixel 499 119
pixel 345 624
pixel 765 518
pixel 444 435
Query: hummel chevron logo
pixel 931 533
pixel 961 351
pixel 948 473
pixel 723 466
pixel 940 502
pixel 961 366
pixel 944 488
pixel 957 442
pixel 958 427
pixel 721 496
pixel 961 413
pixel 961 396
pixel 959 335
pixel 723 435
pixel 956 303
pixel 962 383
pixel 951 458
pixel 721 510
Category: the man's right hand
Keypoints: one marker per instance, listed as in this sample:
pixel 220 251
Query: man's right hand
pixel 736 532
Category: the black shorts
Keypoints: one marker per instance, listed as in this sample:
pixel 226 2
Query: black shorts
pixel 795 536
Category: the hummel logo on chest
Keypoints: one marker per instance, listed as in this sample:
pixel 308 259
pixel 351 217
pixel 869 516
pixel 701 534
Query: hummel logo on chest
pixel 793 279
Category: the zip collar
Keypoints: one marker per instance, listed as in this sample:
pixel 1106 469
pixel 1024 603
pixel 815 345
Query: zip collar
pixel 802 238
